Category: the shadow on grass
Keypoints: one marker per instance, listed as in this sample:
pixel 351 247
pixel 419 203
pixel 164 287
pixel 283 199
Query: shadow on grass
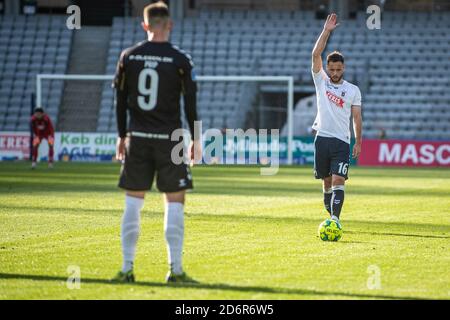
pixel 214 286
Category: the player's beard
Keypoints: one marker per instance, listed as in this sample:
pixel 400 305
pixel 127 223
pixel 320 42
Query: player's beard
pixel 338 80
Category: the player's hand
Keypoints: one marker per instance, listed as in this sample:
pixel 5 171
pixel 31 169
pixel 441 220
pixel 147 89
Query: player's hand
pixel 36 141
pixel 331 22
pixel 356 150
pixel 51 140
pixel 195 152
pixel 120 149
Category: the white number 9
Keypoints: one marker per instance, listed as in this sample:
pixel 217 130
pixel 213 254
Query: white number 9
pixel 148 93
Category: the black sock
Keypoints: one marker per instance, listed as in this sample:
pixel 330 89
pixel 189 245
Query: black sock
pixel 337 200
pixel 327 200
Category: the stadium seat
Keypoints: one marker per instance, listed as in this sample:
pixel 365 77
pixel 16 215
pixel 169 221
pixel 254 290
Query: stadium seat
pixel 401 85
pixel 24 51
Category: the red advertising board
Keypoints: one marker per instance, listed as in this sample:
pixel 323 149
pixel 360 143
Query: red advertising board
pixel 405 153
pixel 14 145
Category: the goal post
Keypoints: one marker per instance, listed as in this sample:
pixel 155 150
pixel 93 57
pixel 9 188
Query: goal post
pixel 289 80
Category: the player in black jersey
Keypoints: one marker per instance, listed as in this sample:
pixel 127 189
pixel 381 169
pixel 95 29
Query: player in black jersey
pixel 150 79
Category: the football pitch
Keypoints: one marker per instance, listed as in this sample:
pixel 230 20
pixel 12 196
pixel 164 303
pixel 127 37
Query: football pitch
pixel 247 236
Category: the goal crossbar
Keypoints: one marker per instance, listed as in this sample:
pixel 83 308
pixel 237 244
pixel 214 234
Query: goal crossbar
pixel 288 79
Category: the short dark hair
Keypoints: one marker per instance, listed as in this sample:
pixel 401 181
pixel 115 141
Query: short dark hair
pixel 156 12
pixel 335 56
pixel 39 109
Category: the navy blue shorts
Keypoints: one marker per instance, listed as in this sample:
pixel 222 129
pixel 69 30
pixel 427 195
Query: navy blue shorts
pixel 331 156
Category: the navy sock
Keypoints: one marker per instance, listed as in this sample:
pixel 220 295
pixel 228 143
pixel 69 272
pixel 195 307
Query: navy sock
pixel 327 199
pixel 337 200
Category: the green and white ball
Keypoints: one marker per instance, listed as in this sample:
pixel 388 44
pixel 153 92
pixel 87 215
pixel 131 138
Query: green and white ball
pixel 330 230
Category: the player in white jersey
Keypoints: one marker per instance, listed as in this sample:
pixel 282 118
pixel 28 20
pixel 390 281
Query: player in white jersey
pixel 337 101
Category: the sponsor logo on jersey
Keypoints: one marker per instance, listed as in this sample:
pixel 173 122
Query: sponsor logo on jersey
pixel 182 183
pixel 338 101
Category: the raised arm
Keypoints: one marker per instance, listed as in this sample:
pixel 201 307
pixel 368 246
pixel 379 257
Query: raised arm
pixel 330 25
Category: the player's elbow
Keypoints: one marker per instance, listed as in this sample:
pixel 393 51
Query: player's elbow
pixel 316 53
pixel 357 118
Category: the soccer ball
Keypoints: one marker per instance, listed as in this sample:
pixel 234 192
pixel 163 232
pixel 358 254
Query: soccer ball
pixel 330 230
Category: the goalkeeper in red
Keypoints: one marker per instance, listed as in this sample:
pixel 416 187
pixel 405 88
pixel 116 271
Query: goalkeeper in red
pixel 42 128
pixel 337 101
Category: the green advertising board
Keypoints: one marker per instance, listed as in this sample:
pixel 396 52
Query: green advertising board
pixel 251 148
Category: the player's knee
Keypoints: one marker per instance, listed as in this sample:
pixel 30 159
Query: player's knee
pixel 338 180
pixel 175 196
pixel 136 194
pixel 327 183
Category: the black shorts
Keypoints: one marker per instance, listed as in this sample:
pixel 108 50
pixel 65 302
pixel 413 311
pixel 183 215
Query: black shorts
pixel 331 156
pixel 146 157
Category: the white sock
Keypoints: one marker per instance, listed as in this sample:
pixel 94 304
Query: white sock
pixel 130 230
pixel 174 233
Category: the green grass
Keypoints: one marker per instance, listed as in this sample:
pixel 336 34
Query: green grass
pixel 247 236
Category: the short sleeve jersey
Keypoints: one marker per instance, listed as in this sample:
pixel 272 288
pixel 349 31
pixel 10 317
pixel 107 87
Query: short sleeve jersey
pixel 334 104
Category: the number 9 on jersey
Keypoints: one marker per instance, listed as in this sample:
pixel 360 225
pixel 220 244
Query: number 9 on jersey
pixel 148 94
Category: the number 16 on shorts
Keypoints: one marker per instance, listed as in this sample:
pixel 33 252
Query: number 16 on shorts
pixel 342 168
